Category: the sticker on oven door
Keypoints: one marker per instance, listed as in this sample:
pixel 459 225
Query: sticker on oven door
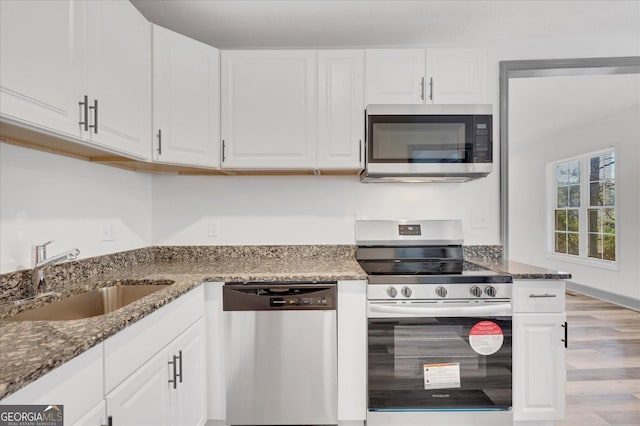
pixel 441 376
pixel 486 337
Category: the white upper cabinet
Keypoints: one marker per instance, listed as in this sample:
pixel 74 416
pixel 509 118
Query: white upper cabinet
pixel 394 76
pixel 186 100
pixel 82 69
pixel 340 109
pixel 416 76
pixel 40 63
pixel 455 76
pixel 118 60
pixel 268 109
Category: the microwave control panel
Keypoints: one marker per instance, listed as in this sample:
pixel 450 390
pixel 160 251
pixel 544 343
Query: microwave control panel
pixel 482 139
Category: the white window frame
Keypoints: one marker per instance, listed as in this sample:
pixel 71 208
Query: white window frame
pixel 552 195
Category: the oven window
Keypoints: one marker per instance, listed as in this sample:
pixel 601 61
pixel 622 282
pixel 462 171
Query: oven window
pixel 432 363
pixel 420 139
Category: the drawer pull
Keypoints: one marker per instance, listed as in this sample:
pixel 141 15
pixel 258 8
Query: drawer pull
pixel 566 335
pixel 538 296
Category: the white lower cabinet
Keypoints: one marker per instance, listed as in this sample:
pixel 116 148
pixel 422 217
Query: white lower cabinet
pixel 352 352
pixel 169 389
pixel 188 402
pixel 96 416
pixel 77 385
pixel 155 371
pixel 143 399
pixel 539 337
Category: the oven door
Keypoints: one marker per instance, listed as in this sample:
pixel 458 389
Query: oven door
pixel 450 357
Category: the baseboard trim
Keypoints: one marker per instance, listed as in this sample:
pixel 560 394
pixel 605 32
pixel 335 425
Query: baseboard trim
pixel 626 301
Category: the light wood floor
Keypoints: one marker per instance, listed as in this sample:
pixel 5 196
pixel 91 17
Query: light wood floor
pixel 603 363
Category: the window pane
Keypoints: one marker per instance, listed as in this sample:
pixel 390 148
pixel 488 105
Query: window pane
pixel 561 242
pixel 574 172
pixel 610 193
pixel 574 244
pixel 561 220
pixel 609 245
pixel 574 196
pixel 562 174
pixel 594 220
pixel 594 169
pixel 563 196
pixel 595 194
pixel 572 220
pixel 609 221
pixel 607 163
pixel 595 246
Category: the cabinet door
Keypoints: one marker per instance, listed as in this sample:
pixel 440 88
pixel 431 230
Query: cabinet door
pixel 352 350
pixel 190 398
pixel 118 53
pixel 144 398
pixel 186 100
pixel 539 370
pixel 394 76
pixel 340 109
pixel 455 76
pixel 40 70
pixel 268 109
pixel 95 417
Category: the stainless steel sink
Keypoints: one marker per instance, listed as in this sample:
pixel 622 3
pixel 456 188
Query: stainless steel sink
pixel 90 304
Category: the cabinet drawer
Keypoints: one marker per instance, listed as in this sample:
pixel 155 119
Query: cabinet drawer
pixel 129 349
pixel 538 296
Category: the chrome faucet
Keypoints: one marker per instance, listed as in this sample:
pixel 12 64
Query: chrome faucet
pixel 39 260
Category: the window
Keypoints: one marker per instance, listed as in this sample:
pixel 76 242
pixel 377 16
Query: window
pixel 583 206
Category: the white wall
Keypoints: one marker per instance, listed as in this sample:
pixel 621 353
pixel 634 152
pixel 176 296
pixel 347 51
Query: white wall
pixel 530 152
pixel 48 197
pixel 307 209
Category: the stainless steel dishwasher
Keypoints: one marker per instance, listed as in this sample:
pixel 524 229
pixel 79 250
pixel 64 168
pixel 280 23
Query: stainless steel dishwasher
pixel 281 353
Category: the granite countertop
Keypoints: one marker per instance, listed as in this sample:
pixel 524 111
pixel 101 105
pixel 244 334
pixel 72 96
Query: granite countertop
pixel 520 271
pixel 30 349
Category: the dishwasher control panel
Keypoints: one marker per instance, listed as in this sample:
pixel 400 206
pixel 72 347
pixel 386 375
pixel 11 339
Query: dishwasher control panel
pixel 298 301
pixel 278 296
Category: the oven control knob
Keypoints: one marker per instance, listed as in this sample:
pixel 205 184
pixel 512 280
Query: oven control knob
pixel 441 291
pixel 476 291
pixel 392 292
pixel 490 291
pixel 406 292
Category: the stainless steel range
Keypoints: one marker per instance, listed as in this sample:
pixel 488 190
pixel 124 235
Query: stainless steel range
pixel 439 330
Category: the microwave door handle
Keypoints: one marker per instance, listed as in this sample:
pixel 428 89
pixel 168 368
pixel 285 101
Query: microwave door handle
pixel 501 309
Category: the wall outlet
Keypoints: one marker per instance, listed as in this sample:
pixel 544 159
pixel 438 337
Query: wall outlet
pixel 108 232
pixel 479 219
pixel 214 228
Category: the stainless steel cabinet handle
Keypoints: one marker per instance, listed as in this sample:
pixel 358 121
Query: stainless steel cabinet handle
pixel 175 372
pixel 431 88
pixel 533 296
pixel 223 146
pixel 84 113
pixel 566 334
pixel 94 126
pixel 180 365
pixel 422 88
pixel 159 141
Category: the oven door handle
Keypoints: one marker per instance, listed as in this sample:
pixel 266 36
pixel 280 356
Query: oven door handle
pixel 499 309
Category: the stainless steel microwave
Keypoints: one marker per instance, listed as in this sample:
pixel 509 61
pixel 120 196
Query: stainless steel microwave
pixel 428 143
